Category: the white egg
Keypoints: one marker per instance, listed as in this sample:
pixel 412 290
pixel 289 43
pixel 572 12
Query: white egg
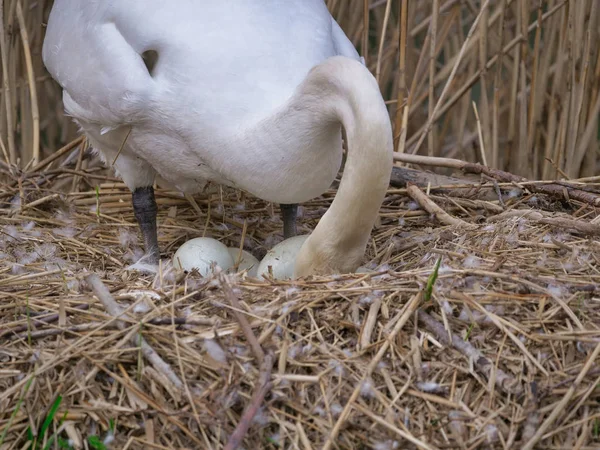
pixel 200 254
pixel 248 261
pixel 363 269
pixel 282 258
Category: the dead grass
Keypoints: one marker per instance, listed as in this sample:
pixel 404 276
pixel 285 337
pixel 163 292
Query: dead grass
pixel 503 354
pixel 520 93
pixel 519 296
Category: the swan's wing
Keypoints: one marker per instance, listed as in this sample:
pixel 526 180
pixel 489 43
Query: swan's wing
pixel 104 79
pixel 342 44
pixel 221 62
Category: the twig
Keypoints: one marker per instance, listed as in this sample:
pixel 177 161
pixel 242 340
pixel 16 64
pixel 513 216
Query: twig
pixel 532 422
pixel 116 311
pixel 40 320
pixel 441 184
pixel 498 323
pixel 560 407
pixel 244 324
pixel 540 217
pixel 263 387
pixel 57 154
pixel 122 146
pixel 39 334
pixel 520 213
pixel 555 189
pixel 266 366
pixel 504 381
pixel 180 321
pixel 4 51
pixel 432 208
pixel 401 176
pixel 409 309
pixel 367 331
pixel 34 203
pixel 577 225
pixel 385 423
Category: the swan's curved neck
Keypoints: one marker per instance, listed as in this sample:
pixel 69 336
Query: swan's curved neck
pixel 343 91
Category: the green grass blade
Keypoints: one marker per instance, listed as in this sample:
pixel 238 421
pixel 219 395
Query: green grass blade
pixel 432 279
pixel 16 410
pixel 96 443
pixel 50 416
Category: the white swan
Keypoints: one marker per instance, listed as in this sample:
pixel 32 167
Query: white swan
pixel 250 94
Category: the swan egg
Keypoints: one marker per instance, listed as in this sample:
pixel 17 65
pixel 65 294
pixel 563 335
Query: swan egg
pixel 247 261
pixel 282 258
pixel 200 254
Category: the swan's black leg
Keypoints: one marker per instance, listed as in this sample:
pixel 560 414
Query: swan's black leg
pixel 289 213
pixel 144 208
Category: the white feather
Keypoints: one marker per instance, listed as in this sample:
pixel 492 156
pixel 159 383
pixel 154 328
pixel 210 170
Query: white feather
pixel 252 94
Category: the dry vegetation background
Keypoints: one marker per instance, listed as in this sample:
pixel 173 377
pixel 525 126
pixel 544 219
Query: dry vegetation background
pixel 503 355
pixel 524 96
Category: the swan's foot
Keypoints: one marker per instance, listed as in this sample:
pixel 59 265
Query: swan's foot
pixel 145 210
pixel 289 214
pixel 146 264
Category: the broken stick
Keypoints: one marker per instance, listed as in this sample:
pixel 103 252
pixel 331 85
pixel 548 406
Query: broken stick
pixel 113 308
pixel 556 189
pixel 432 208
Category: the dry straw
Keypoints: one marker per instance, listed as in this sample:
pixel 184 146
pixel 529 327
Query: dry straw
pixel 501 352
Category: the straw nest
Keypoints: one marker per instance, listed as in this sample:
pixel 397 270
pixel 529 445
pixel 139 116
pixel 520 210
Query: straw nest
pixel 502 354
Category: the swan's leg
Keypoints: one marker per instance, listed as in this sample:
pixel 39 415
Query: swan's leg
pixel 289 213
pixel 145 210
pixel 139 177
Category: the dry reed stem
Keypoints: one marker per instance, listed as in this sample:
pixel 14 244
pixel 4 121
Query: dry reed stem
pixel 434 112
pixel 402 109
pixel 557 189
pixel 560 407
pixel 7 97
pixel 263 387
pixel 370 323
pixel 35 114
pixel 539 55
pixel 319 317
pixel 441 215
pixel 502 380
pixel 116 311
pixel 259 353
pixel 534 74
pixel 410 308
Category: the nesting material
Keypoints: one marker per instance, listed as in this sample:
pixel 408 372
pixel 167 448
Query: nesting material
pixel 511 325
pixel 503 355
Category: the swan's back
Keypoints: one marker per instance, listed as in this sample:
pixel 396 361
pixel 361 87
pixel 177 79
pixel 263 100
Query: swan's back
pixel 221 63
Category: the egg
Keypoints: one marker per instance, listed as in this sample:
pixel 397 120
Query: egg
pixel 200 254
pixel 248 261
pixel 282 258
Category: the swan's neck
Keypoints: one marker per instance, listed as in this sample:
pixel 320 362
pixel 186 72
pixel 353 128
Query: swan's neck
pixel 342 91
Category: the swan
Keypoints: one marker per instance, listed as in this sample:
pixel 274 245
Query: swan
pixel 251 94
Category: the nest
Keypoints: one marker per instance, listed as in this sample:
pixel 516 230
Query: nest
pixel 495 347
pixel 500 351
